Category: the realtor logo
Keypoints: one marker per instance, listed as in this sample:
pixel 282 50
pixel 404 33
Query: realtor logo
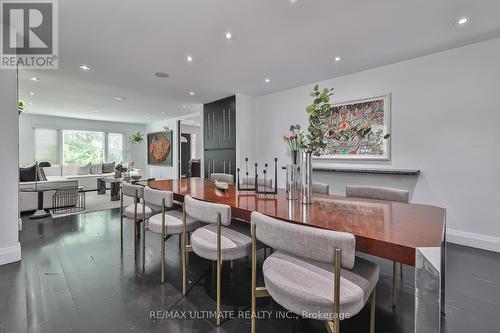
pixel 29 34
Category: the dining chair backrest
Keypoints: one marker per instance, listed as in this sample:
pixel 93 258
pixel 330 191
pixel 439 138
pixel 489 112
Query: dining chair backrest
pixel 206 211
pixel 320 188
pixel 222 177
pixel 154 198
pixel 304 241
pixel 268 182
pixel 377 192
pixel 131 190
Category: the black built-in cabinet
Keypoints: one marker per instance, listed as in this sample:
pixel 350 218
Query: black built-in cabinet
pixel 219 133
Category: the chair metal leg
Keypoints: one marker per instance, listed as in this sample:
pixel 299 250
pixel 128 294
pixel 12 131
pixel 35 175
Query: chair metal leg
pixel 254 278
pixel 183 241
pixel 372 310
pixel 219 265
pixel 143 241
pixel 121 222
pixel 401 269
pixel 135 227
pixel 162 241
pixel 336 288
pixel 394 283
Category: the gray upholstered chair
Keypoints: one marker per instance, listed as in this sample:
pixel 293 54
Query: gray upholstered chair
pixel 137 211
pixel 381 193
pixel 218 240
pixel 222 177
pixel 313 273
pixel 320 188
pixel 166 223
pixel 268 182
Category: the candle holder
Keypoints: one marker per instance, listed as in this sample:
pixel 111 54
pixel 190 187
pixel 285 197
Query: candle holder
pixel 255 188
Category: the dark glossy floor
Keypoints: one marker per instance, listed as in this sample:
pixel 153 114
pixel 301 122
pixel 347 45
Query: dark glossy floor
pixel 73 279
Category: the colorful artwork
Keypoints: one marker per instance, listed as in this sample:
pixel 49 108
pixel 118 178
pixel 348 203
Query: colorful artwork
pixel 160 148
pixel 359 130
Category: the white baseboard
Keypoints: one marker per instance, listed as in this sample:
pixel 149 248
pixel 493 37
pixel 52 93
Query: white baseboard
pixel 473 240
pixel 10 254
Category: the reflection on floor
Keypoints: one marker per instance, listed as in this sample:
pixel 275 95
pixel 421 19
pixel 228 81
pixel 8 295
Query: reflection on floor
pixel 73 279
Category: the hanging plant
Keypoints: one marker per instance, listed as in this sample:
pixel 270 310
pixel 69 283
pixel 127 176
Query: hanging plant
pixel 136 138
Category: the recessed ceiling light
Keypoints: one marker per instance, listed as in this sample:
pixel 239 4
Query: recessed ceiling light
pixel 84 67
pixel 35 79
pixel 163 113
pixel 191 93
pixel 96 111
pixel 337 58
pixel 183 106
pixel 189 58
pixel 161 75
pixel 147 117
pixel 294 1
pixel 229 35
pixel 267 80
pixel 32 93
pixel 462 21
pixel 119 98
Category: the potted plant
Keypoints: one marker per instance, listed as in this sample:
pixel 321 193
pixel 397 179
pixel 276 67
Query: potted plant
pixel 21 104
pixel 119 169
pixel 316 138
pixel 295 141
pixel 136 138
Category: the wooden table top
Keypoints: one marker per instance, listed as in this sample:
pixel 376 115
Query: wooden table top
pixel 386 229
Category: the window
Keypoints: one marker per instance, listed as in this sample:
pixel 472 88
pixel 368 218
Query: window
pixel 78 147
pixel 81 147
pixel 115 147
pixel 47 145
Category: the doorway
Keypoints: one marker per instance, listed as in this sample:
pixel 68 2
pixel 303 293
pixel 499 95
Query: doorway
pixel 190 147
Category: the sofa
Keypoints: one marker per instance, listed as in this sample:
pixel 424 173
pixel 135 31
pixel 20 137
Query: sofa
pixel 60 176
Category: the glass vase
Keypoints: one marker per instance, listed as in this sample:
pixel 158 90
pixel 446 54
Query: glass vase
pixel 292 178
pixel 306 178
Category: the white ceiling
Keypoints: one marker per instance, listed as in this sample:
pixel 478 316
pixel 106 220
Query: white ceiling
pixel 125 41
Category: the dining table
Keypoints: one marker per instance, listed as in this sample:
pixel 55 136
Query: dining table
pixel 409 233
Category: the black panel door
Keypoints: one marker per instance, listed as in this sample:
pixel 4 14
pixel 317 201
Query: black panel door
pixel 219 132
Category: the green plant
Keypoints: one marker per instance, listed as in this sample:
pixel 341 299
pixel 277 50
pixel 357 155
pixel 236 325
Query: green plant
pixel 136 138
pixel 317 111
pixel 21 105
pixel 121 168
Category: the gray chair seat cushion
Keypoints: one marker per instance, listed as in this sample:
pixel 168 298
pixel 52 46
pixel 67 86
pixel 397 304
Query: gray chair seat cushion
pixel 306 286
pixel 173 223
pixel 129 211
pixel 235 241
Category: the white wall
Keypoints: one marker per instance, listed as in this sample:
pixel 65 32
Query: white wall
pixel 10 250
pixel 28 122
pixel 164 172
pixel 245 130
pixel 445 120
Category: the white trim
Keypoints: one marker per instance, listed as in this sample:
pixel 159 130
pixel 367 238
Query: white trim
pixel 479 241
pixel 10 254
pixel 20 224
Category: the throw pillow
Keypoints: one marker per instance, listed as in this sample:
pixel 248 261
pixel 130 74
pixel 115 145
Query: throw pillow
pixel 108 167
pixel 41 175
pixel 83 169
pixel 96 168
pixel 27 174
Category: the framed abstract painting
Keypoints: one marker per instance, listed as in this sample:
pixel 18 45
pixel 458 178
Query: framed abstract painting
pixel 160 148
pixel 359 130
